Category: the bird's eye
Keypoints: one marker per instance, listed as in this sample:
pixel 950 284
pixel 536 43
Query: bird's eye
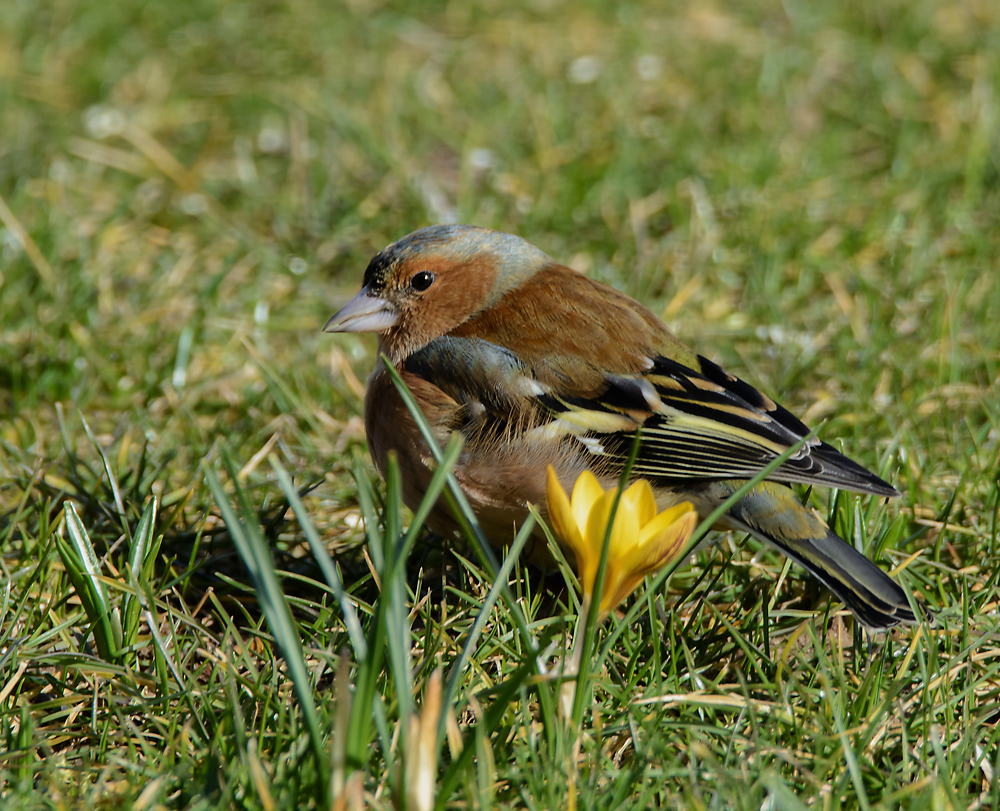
pixel 422 280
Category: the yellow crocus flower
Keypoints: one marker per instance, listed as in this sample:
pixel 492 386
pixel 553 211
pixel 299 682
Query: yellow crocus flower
pixel 641 541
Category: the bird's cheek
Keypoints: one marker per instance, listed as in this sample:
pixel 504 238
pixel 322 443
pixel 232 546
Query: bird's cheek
pixel 431 318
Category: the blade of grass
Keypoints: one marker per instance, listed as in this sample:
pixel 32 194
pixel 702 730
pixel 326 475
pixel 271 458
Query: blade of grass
pixel 84 572
pixel 503 695
pixel 164 661
pixel 112 479
pixel 833 697
pixel 249 541
pixel 142 557
pixel 458 668
pixel 476 535
pixel 582 694
pixel 370 669
pixel 397 626
pixel 326 564
pixel 389 623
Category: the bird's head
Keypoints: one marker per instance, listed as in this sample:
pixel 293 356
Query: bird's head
pixel 431 281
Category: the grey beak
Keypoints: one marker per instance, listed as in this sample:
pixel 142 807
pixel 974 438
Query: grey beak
pixel 363 313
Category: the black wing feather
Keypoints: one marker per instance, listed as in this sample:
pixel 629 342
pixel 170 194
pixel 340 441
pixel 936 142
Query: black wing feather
pixel 703 424
pixel 709 425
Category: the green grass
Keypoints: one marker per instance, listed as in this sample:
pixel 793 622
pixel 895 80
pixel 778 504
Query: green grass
pixel 807 192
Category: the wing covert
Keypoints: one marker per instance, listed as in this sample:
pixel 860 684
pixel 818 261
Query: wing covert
pixel 705 425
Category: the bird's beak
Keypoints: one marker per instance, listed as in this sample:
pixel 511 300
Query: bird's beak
pixel 363 313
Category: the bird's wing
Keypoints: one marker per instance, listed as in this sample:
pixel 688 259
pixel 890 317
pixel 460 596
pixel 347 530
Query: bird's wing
pixel 490 382
pixel 699 424
pixel 703 424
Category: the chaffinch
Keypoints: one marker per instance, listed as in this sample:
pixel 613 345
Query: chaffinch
pixel 537 364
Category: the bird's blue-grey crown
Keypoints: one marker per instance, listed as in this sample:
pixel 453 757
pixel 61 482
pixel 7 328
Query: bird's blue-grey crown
pixel 518 258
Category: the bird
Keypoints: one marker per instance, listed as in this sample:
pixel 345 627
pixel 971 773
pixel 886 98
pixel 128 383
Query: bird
pixel 536 364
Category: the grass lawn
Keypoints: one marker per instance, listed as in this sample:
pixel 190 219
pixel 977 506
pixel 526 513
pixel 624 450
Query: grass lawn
pixel 807 192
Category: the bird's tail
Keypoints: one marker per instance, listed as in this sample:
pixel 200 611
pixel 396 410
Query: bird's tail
pixel 772 513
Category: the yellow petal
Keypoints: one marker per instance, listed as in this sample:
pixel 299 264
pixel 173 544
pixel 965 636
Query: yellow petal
pixel 640 541
pixel 561 513
pixel 664 519
pixel 593 538
pixel 660 547
pixel 640 498
pixel 597 523
pixel 624 535
pixel 586 492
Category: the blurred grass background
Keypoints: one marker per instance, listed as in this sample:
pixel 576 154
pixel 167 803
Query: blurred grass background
pixel 807 192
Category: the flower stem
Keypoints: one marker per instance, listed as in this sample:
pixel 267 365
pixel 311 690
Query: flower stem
pixel 571 666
